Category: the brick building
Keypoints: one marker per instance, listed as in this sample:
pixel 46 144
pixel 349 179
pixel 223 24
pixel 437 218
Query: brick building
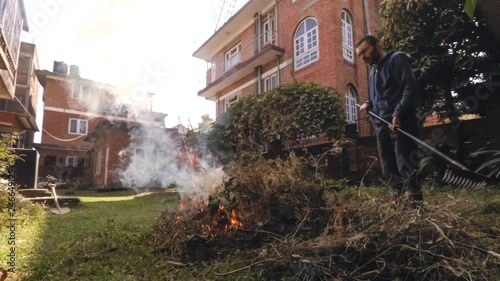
pixel 17 61
pixel 268 43
pixel 74 108
pixel 24 104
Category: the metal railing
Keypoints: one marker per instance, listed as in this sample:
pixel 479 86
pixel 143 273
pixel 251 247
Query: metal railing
pixel 247 52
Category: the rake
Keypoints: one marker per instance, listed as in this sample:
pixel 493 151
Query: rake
pixel 462 177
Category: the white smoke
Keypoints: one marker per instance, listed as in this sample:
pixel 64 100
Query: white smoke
pixel 152 160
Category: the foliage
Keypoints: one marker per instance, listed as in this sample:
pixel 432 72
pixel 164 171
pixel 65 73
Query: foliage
pixel 490 162
pixel 73 184
pixel 470 6
pixel 19 231
pixel 7 158
pixel 206 123
pixel 448 50
pixel 287 113
pixel 484 161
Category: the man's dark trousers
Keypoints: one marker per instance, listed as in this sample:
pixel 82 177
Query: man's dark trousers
pixel 399 156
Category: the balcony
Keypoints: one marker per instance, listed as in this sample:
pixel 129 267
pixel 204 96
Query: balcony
pixel 237 65
pixel 7 69
pixel 11 122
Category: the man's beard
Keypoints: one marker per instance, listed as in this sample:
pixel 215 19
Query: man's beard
pixel 375 57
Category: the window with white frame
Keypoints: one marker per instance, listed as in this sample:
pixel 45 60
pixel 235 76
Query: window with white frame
pixel 77 126
pixel 351 110
pixel 80 92
pixel 306 48
pixel 347 40
pixel 98 163
pixel 230 101
pixel 232 57
pixel 75 161
pixel 270 82
pixel 268 29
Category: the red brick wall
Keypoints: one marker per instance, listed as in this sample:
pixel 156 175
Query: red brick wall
pixel 115 140
pixel 57 124
pixel 331 69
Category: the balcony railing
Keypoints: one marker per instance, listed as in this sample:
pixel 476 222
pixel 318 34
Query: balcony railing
pixel 7 68
pixel 261 44
pixel 231 62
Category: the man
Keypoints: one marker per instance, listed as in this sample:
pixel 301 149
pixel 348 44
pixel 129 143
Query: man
pixel 393 89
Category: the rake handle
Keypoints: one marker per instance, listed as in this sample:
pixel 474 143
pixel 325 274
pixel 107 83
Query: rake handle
pixel 422 143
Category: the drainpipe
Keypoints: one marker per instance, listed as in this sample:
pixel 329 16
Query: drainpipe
pixel 258 79
pixel 257 34
pixel 217 106
pixel 366 13
pixel 276 34
pixel 276 23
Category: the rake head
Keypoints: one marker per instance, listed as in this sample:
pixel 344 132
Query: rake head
pixel 462 178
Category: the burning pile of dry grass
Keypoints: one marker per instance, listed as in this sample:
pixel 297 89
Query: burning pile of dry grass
pixel 290 229
pixel 262 201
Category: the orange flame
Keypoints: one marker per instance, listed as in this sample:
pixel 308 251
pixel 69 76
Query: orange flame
pixel 233 221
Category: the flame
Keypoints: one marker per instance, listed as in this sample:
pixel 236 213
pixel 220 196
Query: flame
pixel 233 221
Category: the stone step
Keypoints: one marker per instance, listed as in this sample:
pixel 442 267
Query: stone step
pixel 34 192
pixel 64 201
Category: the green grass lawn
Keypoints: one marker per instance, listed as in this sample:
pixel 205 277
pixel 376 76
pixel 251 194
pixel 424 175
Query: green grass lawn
pixel 103 238
pixel 100 239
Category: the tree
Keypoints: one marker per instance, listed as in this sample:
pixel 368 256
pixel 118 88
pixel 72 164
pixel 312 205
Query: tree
pixel 448 50
pixel 206 123
pixel 288 113
pixel 7 157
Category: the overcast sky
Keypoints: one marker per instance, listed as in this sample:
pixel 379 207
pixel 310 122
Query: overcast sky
pixel 133 44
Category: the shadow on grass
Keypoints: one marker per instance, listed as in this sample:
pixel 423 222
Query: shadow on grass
pixel 98 240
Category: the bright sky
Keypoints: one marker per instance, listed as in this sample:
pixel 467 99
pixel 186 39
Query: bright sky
pixel 133 44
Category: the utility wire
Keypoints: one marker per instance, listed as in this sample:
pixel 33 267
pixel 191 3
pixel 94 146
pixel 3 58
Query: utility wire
pixel 56 138
pixel 220 14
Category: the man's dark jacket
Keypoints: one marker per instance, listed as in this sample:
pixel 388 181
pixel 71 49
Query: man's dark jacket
pixel 393 88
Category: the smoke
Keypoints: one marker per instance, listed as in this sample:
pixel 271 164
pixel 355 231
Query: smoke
pixel 153 160
pixel 123 45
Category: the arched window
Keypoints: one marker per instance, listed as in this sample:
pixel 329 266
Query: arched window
pixel 351 111
pixel 306 48
pixel 347 40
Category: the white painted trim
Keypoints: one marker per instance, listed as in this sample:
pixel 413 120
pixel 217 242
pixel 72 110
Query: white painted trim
pixel 252 81
pixel 106 163
pixel 249 83
pixel 50 108
pixel 93 115
pixel 98 163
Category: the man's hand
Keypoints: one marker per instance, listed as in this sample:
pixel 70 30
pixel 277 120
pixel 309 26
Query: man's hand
pixel 396 123
pixel 365 108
